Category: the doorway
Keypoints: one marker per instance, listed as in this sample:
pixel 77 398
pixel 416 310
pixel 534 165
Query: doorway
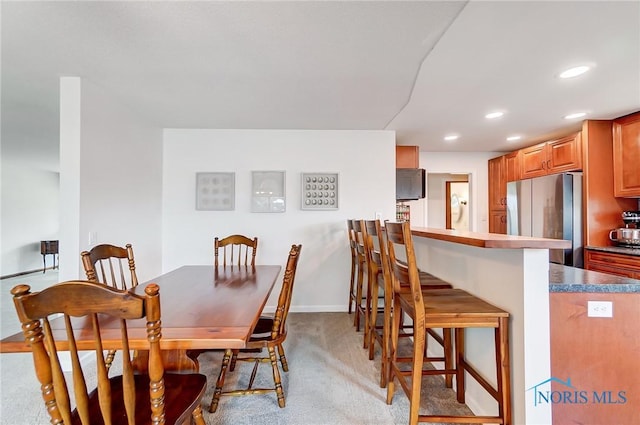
pixel 457 205
pixel 437 202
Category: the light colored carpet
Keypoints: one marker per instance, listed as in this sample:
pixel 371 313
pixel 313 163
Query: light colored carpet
pixel 330 381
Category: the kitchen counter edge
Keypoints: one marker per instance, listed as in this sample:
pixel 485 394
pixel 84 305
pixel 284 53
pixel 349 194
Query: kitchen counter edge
pixel 616 250
pixel 489 240
pixel 572 279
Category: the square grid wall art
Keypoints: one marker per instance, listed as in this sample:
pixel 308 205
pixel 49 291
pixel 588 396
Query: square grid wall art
pixel 319 191
pixel 215 191
pixel 268 191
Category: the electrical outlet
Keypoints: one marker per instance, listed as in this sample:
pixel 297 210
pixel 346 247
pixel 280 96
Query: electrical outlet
pixel 93 238
pixel 599 308
pixel 378 216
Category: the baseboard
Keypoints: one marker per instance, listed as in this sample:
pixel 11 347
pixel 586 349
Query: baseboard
pixel 8 276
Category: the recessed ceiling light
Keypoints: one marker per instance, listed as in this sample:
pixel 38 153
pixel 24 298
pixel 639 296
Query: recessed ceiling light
pixel 576 115
pixel 493 115
pixel 513 138
pixel 575 71
pixel 451 137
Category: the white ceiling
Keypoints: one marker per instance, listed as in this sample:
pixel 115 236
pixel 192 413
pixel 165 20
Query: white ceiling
pixel 421 68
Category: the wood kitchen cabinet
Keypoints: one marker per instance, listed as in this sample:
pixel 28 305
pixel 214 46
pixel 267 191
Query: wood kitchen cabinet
pixel 407 157
pixel 612 263
pixel 626 155
pixel 512 166
pixel 497 195
pixel 557 156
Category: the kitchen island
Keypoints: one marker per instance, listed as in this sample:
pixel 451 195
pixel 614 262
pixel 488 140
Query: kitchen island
pixel 595 347
pixel 511 272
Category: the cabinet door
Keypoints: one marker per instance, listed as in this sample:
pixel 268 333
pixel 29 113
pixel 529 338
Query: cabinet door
pixel 626 156
pixel 512 166
pixel 498 222
pixel 407 157
pixel 497 184
pixel 534 161
pixel 564 154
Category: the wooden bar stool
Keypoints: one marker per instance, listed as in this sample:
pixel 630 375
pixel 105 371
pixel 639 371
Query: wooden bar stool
pixel 354 265
pixel 374 238
pixel 442 308
pixel 361 293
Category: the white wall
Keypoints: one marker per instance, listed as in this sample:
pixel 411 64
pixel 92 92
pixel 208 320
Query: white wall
pixel 472 163
pixel 29 215
pixel 365 161
pixel 113 186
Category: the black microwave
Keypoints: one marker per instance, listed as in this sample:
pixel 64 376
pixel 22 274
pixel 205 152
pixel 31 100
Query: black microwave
pixel 410 184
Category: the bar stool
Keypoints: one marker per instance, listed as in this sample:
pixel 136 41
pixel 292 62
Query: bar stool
pixel 442 308
pixel 374 239
pixel 354 265
pixel 361 260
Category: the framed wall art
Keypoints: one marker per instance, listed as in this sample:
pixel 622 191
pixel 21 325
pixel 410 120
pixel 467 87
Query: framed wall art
pixel 268 191
pixel 319 191
pixel 215 191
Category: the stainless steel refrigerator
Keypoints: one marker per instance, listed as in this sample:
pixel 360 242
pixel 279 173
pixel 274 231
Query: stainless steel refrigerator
pixel 548 207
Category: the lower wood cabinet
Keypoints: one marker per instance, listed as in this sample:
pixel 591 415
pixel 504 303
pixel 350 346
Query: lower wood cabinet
pixel 612 263
pixel 498 222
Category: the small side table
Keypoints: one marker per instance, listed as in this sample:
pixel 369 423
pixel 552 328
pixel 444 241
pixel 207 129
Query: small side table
pixel 46 248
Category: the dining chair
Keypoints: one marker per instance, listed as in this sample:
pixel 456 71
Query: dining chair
pixel 128 398
pixel 235 250
pixel 264 337
pixel 107 264
pixel 446 309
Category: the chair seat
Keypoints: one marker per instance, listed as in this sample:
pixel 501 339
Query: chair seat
pixel 446 308
pixel 180 392
pixel 265 325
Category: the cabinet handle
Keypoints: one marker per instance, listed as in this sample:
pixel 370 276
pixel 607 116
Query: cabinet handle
pixel 548 164
pixel 543 165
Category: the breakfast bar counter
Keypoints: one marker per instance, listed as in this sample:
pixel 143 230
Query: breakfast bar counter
pixel 511 272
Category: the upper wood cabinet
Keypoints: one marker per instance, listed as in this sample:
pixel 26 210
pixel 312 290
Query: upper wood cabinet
pixel 407 157
pixel 512 166
pixel 552 157
pixel 626 156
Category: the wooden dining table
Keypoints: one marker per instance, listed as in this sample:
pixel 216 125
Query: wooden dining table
pixel 202 307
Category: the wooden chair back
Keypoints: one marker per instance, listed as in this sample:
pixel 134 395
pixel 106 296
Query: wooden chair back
pixel 354 265
pixel 352 237
pixel 404 273
pixel 358 232
pixel 236 250
pixel 111 265
pixel 82 302
pixel 374 244
pixel 286 292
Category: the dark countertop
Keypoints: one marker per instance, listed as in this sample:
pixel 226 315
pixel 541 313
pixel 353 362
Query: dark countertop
pixel 571 279
pixel 616 249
